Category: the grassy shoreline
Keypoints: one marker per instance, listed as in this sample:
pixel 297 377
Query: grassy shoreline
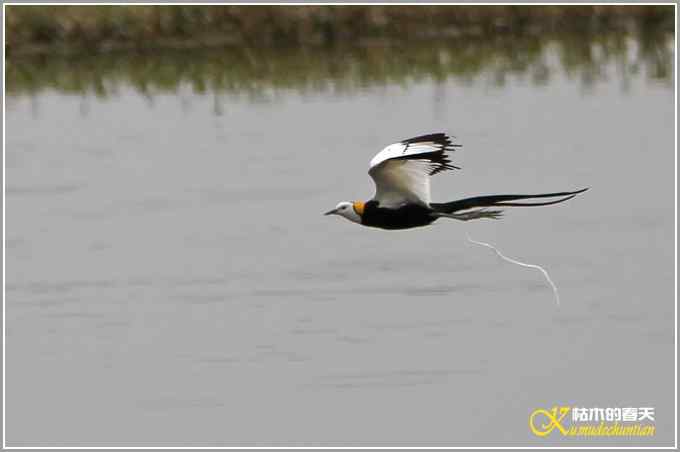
pixel 35 30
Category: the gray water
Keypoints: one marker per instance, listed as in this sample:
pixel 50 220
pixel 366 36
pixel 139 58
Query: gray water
pixel 171 280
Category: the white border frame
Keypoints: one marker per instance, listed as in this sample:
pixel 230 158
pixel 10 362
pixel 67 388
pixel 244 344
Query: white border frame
pixel 302 3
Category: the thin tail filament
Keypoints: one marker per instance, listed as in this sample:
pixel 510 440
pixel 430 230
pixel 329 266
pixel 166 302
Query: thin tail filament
pixel 523 264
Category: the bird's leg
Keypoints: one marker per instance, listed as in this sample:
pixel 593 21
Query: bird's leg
pixel 475 214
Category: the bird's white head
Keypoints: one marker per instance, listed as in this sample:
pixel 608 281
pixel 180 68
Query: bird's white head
pixel 350 210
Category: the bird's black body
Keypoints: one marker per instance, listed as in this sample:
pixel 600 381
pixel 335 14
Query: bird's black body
pixel 403 217
pixel 411 215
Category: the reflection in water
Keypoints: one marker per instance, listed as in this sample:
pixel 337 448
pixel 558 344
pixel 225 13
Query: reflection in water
pixel 260 71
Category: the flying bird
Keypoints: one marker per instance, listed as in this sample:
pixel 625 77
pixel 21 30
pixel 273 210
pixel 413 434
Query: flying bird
pixel 402 172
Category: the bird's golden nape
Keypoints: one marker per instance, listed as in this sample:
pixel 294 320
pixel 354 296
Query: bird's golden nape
pixel 402 172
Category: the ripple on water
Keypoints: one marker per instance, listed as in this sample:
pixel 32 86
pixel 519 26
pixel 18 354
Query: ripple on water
pixel 399 378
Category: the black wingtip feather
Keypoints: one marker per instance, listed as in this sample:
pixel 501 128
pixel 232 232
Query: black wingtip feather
pixel 439 160
pixel 439 138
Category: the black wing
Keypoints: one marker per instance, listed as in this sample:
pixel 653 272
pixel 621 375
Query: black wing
pixel 438 159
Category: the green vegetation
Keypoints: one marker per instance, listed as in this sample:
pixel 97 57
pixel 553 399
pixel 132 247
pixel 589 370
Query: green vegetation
pixel 52 29
pixel 250 49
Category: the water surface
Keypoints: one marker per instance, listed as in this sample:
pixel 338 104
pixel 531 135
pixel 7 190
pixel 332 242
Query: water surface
pixel 171 280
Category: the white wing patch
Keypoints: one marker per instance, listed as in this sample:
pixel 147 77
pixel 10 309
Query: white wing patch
pixel 398 150
pixel 401 181
pixel 402 171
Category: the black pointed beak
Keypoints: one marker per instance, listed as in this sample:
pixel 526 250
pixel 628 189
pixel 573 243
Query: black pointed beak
pixel 331 212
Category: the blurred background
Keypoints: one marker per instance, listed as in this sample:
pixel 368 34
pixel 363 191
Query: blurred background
pixel 172 282
pixel 96 49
